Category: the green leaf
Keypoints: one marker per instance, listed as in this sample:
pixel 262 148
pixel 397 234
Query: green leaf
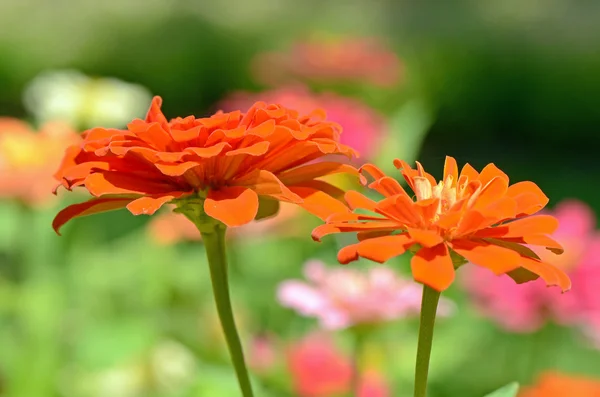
pixel 509 390
pixel 267 208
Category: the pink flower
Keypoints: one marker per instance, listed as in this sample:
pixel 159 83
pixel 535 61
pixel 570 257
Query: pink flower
pixel 527 307
pixel 319 370
pixel 262 353
pixel 363 127
pixel 343 297
pixel 350 59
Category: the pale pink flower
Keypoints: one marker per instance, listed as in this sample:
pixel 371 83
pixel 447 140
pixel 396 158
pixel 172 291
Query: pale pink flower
pixel 364 128
pixel 318 369
pixel 527 307
pixel 343 297
pixel 344 59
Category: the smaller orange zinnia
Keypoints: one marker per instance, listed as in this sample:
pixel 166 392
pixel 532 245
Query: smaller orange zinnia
pixel 225 162
pixel 474 217
pixel 556 384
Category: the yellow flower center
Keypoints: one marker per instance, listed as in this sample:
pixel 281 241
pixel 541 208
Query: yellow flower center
pixel 444 191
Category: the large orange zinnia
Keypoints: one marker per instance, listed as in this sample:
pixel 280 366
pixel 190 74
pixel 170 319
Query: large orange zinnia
pixel 227 160
pixel 475 217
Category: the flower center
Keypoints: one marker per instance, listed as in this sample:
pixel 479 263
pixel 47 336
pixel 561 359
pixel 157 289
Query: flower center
pixel 444 191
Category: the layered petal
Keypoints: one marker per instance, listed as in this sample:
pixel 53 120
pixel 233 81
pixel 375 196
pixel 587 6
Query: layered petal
pixel 234 206
pixel 90 207
pixel 433 267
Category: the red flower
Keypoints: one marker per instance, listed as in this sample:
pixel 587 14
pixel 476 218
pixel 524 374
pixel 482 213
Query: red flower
pixel 226 161
pixel 473 216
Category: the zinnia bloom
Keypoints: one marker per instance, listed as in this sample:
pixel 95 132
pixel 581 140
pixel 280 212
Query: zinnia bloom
pixel 556 384
pixel 318 369
pixel 225 161
pixel 342 298
pixel 354 59
pixel 473 216
pixel 27 158
pixel 532 305
pixel 363 127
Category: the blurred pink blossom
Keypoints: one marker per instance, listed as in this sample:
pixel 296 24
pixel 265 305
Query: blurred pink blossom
pixel 318 369
pixel 348 59
pixel 527 307
pixel 169 228
pixel 343 297
pixel 363 127
pixel 262 353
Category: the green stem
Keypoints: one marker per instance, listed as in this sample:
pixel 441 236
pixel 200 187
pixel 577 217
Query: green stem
pixel 359 338
pixel 429 305
pixel 214 241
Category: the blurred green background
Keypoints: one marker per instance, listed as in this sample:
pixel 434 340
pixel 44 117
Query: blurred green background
pixel 106 311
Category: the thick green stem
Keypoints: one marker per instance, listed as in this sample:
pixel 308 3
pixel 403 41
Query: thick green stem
pixel 214 241
pixel 429 305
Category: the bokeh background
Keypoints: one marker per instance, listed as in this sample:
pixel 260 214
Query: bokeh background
pixel 121 306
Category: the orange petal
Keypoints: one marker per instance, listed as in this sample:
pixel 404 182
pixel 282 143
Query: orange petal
pixel 433 267
pixel 382 249
pixel 491 191
pixel 470 222
pixel 148 205
pixel 550 274
pixel 387 187
pixel 103 183
pixel 500 210
pixel 529 197
pixel 407 172
pixel 343 227
pixel 451 169
pixel 356 200
pixel 351 216
pixel 325 187
pixel 537 224
pixel 348 254
pixel 176 169
pixel 498 259
pixel 360 236
pixel 154 113
pixel 234 206
pixel 371 169
pixel 318 203
pixel 93 206
pixel 265 183
pixel 208 152
pixel 469 172
pixel 400 208
pixel 154 134
pixel 258 149
pixel 427 238
pixel 490 172
pixel 536 239
pixel 312 171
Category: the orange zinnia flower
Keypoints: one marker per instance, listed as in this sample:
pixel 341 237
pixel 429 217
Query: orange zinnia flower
pixel 475 217
pixel 227 161
pixel 556 384
pixel 28 158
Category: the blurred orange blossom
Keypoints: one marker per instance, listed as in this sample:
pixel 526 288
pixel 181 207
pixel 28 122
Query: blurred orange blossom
pixel 556 384
pixel 475 217
pixel 225 161
pixel 28 158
